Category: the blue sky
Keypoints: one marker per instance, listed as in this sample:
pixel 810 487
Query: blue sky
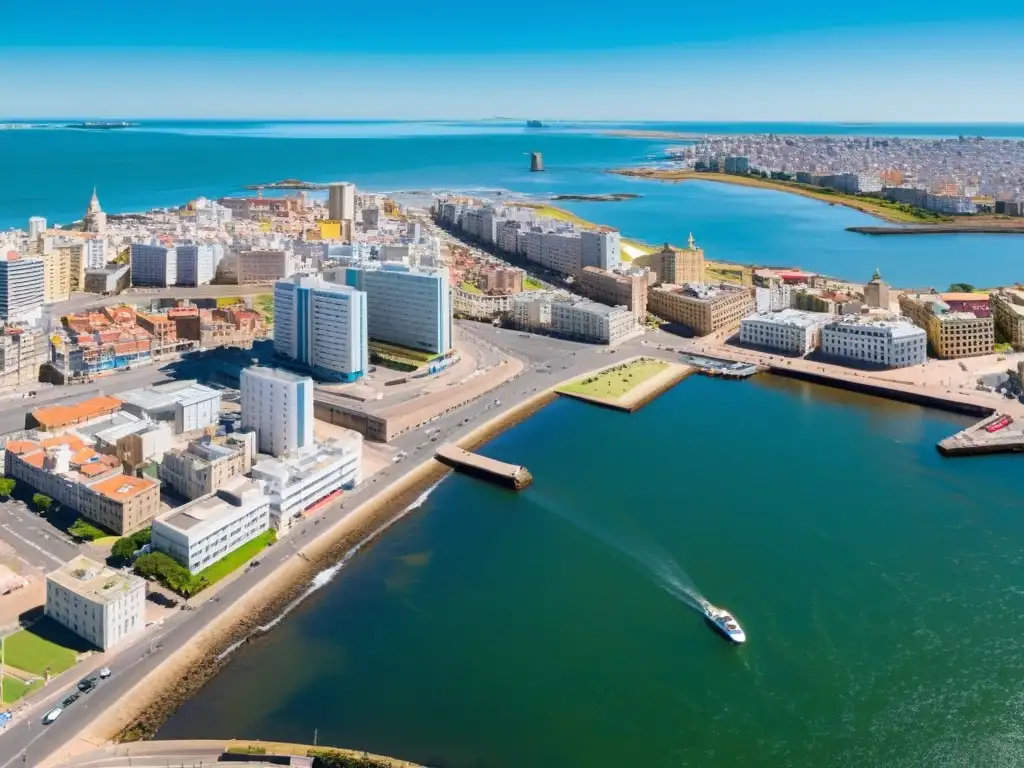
pixel 953 62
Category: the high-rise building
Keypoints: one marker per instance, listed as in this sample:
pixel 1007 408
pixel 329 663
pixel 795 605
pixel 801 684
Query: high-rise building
pixel 601 248
pixel 95 220
pixel 685 265
pixel 21 288
pixel 36 227
pixel 321 326
pixel 407 306
pixel 341 201
pixel 278 405
pixel 259 267
pixel 57 273
pixel 154 265
pixel 196 264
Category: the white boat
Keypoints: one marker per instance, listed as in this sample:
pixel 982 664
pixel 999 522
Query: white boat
pixel 724 622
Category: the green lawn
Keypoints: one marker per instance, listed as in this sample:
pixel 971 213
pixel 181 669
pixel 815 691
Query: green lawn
pixel 529 284
pixel 15 689
pixel 45 644
pixel 235 560
pixel 470 288
pixel 264 304
pixel 617 381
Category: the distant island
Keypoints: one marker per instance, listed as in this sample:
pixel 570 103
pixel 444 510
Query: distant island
pixel 534 124
pixel 612 198
pixel 287 184
pixel 101 125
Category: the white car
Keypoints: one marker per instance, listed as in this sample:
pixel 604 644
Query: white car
pixel 104 673
pixel 52 715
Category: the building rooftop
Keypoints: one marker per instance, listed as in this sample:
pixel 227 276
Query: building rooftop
pixel 121 488
pixel 963 296
pixel 280 374
pixel 56 416
pixel 160 396
pixel 207 514
pixel 289 470
pixel 792 317
pixel 93 581
pixel 898 328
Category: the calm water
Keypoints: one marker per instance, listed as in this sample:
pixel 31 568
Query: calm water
pixel 52 172
pixel 879 585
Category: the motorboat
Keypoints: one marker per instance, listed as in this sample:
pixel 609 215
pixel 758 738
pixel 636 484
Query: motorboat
pixel 724 622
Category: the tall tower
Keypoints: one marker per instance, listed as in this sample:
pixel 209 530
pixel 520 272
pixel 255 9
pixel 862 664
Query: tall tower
pixel 341 201
pixel 95 219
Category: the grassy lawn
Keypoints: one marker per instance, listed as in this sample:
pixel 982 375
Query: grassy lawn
pixel 614 383
pixel 736 273
pixel 529 284
pixel 45 644
pixel 560 214
pixel 15 689
pixel 470 288
pixel 264 304
pixel 235 560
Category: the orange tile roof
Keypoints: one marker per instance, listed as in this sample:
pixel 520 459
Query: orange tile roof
pixel 35 459
pixel 19 447
pixel 83 455
pixel 74 442
pixel 100 467
pixel 59 415
pixel 122 487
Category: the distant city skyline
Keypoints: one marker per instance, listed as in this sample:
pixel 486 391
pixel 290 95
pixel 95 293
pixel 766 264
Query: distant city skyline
pixel 779 62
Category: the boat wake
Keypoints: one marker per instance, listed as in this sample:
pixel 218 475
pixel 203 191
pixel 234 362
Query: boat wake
pixel 645 557
pixel 326 576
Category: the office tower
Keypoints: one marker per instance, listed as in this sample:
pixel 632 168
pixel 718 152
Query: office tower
pixel 36 226
pixel 154 265
pixel 341 201
pixel 196 264
pixel 21 288
pixel 278 405
pixel 321 326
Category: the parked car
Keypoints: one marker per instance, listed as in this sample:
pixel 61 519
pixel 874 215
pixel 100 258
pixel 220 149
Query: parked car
pixel 104 673
pixel 70 700
pixel 52 715
pixel 86 685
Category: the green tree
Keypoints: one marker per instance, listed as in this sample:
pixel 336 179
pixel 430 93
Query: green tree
pixel 123 549
pixel 961 288
pixel 81 529
pixel 6 487
pixel 42 502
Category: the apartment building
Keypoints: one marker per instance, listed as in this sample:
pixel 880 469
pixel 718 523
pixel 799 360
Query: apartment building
pixel 103 606
pixel 590 321
pixel 677 266
pixel 206 464
pixel 22 351
pixel 187 404
pixel 57 274
pixel 951 334
pixel 303 481
pixel 263 267
pixel 773 297
pixel 788 330
pixel 107 280
pixel 601 248
pixel 153 265
pixel 205 530
pixel 21 288
pixel 341 201
pixel 324 326
pixel 407 306
pixel 196 263
pixel 616 290
pixel 703 308
pixel 883 343
pixel 1008 314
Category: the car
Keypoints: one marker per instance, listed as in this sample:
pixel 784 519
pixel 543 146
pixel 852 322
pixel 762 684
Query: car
pixel 70 700
pixel 105 673
pixel 52 715
pixel 86 685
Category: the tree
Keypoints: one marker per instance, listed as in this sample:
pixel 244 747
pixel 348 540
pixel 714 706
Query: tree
pixel 81 529
pixel 123 549
pixel 961 288
pixel 6 487
pixel 42 502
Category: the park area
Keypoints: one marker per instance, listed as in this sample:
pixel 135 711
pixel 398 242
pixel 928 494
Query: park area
pixel 628 385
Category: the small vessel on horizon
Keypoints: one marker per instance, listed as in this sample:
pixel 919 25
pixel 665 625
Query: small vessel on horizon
pixel 724 622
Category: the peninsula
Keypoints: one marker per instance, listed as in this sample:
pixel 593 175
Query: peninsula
pixel 288 184
pixel 615 197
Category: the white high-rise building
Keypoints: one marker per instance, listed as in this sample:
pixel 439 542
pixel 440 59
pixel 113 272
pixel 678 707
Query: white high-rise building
pixel 278 405
pixel 341 201
pixel 95 253
pixel 197 264
pixel 601 248
pixel 154 265
pixel 21 288
pixel 321 326
pixel 36 227
pixel 407 306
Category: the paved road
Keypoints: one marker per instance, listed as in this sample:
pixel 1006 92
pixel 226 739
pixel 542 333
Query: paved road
pixel 548 361
pixel 33 539
pixel 80 302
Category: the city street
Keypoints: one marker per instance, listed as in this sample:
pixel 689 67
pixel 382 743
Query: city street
pixel 33 539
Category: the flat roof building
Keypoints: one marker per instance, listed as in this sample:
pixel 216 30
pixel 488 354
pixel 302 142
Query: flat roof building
pixel 1008 314
pixel 278 406
pixel 53 418
pixel 100 605
pixel 882 343
pixel 207 464
pixel 203 531
pixel 189 405
pixel 951 334
pixel 789 330
pixel 704 308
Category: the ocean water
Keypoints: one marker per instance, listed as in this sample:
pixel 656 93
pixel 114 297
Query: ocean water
pixel 878 584
pixel 51 172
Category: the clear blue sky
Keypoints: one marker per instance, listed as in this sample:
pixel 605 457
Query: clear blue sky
pixel 566 59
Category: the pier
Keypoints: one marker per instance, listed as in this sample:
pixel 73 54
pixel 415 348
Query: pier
pixel 998 433
pixel 511 476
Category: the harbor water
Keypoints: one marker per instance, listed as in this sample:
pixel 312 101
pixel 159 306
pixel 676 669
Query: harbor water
pixel 878 584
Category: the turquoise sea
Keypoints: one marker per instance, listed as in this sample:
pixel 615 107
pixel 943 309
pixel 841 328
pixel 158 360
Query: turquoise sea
pixel 879 585
pixel 51 172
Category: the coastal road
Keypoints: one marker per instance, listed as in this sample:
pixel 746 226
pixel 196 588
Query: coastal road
pixel 27 742
pixel 33 539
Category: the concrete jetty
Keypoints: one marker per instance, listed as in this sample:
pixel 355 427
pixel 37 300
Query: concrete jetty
pixel 998 433
pixel 511 476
